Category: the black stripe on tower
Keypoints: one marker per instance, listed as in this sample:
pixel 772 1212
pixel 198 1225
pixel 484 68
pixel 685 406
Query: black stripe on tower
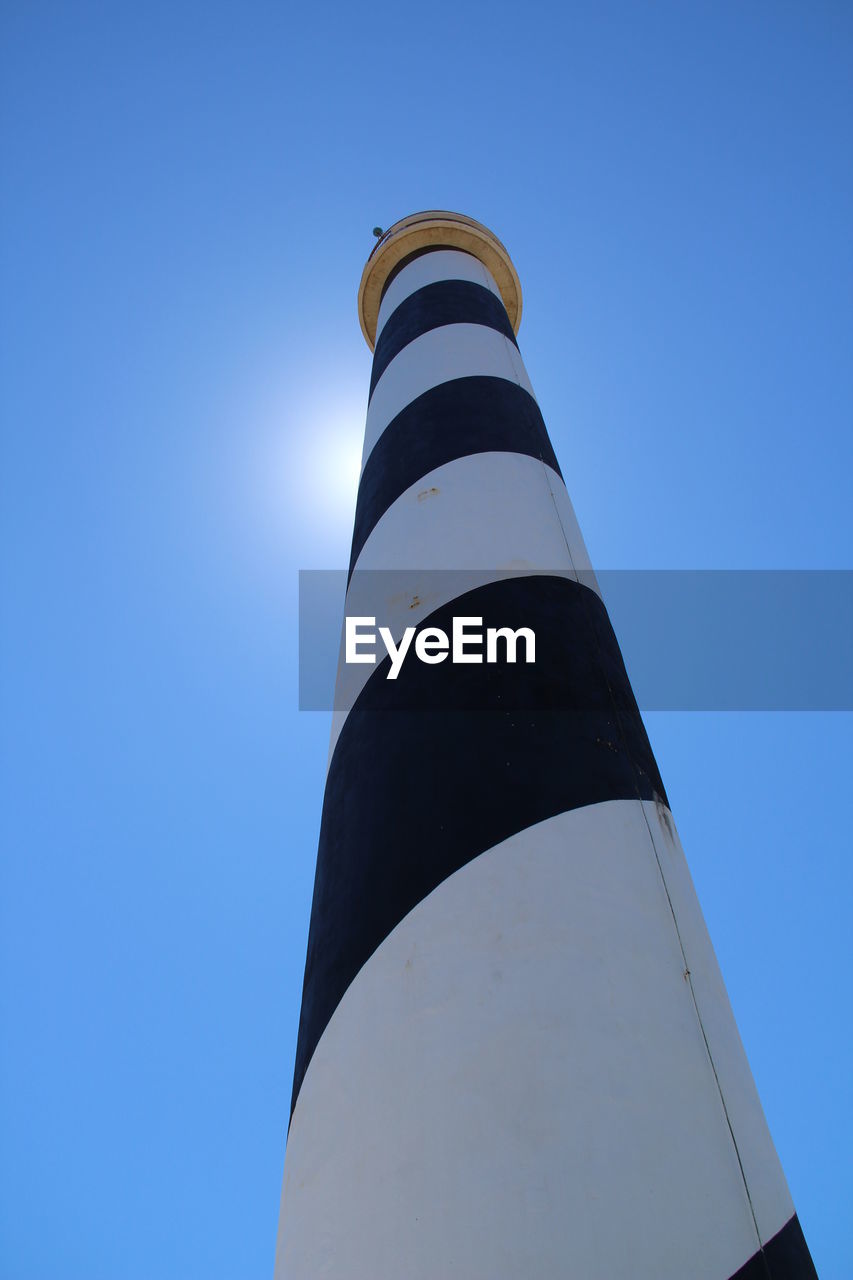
pixel 434 768
pixel 785 1257
pixel 452 420
pixel 432 307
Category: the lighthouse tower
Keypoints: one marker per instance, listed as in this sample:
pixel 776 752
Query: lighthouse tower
pixel 516 1057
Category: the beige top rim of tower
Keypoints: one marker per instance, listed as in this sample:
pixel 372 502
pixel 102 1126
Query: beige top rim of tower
pixel 420 231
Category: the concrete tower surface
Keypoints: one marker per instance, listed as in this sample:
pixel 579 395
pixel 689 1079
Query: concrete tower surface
pixel 516 1057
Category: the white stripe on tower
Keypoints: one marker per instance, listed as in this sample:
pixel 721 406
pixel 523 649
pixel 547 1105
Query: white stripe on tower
pixel 516 1057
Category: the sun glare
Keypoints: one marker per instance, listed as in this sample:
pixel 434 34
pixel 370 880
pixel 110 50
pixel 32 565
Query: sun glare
pixel 306 476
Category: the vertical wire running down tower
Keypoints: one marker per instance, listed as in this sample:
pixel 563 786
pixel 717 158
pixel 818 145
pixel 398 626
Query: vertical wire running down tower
pixel 516 1057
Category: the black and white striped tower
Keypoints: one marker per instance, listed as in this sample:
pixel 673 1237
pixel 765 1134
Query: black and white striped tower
pixel 516 1057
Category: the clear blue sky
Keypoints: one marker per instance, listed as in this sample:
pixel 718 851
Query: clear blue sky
pixel 188 196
